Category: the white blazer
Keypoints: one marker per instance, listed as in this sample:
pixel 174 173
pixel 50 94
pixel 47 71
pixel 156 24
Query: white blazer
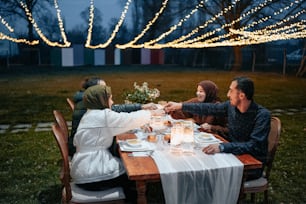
pixel 93 162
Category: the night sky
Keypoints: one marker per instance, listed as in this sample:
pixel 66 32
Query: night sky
pixel 71 9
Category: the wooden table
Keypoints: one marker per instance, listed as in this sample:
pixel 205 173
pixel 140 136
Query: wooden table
pixel 143 170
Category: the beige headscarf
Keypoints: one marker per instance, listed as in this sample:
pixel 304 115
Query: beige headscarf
pixel 96 97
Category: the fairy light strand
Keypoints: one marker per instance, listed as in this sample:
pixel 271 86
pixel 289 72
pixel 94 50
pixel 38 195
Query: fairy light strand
pixel 208 34
pixel 114 32
pixel 90 24
pixel 265 31
pixel 254 23
pixel 193 32
pixel 39 32
pixel 262 20
pixel 15 40
pixel 6 24
pixel 148 26
pixel 174 27
pixel 191 43
pixel 281 30
pixel 211 20
pixel 61 24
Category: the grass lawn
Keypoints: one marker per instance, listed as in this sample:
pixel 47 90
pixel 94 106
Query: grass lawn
pixel 29 165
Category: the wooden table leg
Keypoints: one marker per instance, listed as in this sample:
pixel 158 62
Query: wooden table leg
pixel 141 192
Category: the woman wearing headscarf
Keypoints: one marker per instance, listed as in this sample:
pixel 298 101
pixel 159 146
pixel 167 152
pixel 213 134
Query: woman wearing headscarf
pixel 80 108
pixel 207 92
pixel 93 166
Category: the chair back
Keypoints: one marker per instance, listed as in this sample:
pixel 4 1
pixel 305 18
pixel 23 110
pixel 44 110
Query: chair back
pixel 62 123
pixel 59 136
pixel 273 142
pixel 70 103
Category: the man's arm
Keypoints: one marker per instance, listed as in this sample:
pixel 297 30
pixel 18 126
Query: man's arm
pixel 216 109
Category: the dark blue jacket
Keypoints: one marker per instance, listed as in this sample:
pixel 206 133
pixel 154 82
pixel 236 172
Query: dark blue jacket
pixel 248 132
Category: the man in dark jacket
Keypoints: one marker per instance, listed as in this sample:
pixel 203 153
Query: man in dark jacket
pixel 248 122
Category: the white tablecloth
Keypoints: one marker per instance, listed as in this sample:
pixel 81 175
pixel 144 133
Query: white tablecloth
pixel 199 178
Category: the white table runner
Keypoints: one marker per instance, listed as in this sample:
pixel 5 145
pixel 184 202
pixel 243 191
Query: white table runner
pixel 199 178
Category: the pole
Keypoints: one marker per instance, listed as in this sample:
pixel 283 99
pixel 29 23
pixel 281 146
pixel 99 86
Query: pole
pixel 284 62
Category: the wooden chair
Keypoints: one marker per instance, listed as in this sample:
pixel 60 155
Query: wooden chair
pixel 261 184
pixel 62 123
pixel 70 103
pixel 71 193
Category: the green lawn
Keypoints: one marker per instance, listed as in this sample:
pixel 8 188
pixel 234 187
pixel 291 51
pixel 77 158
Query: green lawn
pixel 29 161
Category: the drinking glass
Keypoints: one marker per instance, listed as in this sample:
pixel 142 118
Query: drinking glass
pixel 157 124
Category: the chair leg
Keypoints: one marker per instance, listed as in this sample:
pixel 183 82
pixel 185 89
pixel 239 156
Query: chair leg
pixel 266 196
pixel 241 198
pixel 253 197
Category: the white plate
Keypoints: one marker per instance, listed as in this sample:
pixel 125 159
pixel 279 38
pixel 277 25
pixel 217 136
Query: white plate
pixel 133 142
pixel 145 146
pixel 203 136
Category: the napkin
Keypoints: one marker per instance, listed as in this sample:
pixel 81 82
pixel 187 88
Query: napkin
pixel 141 154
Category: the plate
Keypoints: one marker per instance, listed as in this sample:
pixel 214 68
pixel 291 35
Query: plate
pixel 145 146
pixel 133 142
pixel 203 136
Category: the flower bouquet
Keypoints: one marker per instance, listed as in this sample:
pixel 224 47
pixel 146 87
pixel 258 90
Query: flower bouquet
pixel 141 94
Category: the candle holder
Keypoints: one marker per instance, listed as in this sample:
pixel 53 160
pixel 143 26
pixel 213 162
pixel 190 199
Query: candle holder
pixel 157 124
pixel 188 137
pixel 177 133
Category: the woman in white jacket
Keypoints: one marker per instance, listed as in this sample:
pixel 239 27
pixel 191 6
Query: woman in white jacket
pixel 93 167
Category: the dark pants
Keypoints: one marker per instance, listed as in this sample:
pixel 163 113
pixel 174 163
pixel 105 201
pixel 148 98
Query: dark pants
pixel 253 174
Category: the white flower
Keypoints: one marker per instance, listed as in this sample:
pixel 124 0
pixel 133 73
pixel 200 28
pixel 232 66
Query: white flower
pixel 142 94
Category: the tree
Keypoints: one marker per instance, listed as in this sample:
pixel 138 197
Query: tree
pixel 123 35
pixel 14 9
pixel 213 7
pixel 219 18
pixel 79 34
pixel 144 12
pixel 98 31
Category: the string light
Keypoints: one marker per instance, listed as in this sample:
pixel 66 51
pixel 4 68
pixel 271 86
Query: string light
pixel 61 24
pixel 15 40
pixel 6 25
pixel 281 30
pixel 115 31
pixel 229 25
pixel 196 30
pixel 268 30
pixel 173 28
pixel 90 25
pixel 131 43
pixel 296 28
pixel 5 37
pixel 262 20
pixel 196 43
pixel 39 32
pixel 208 34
